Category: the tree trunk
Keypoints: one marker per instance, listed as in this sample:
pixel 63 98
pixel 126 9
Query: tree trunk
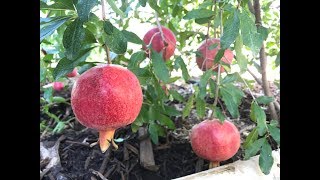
pixel 263 63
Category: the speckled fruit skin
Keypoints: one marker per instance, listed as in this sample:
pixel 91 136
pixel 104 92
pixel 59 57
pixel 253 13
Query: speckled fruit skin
pixel 58 86
pixel 214 141
pixel 211 54
pixel 106 97
pixel 157 43
pixel 73 73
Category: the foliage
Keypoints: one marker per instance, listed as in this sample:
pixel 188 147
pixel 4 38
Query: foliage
pixel 73 34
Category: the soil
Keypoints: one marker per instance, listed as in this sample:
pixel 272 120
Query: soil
pixel 173 155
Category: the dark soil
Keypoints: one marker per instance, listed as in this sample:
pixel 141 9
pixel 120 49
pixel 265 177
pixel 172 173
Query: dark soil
pixel 173 155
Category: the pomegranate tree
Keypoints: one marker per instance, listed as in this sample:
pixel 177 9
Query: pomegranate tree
pixel 106 98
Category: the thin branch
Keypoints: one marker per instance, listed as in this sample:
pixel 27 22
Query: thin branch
pixel 160 28
pixel 263 62
pixel 254 76
pixel 248 88
pixel 106 48
pixel 275 102
pixel 103 10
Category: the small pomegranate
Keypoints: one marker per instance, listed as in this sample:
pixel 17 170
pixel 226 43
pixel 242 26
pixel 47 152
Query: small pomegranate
pixel 214 140
pixel 58 86
pixel 157 43
pixel 206 60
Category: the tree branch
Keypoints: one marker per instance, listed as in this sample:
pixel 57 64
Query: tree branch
pixel 263 63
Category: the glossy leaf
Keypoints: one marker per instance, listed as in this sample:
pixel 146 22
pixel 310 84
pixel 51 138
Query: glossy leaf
pixel 160 68
pixel 48 28
pixel 198 13
pixel 73 37
pixel 230 29
pixel 84 8
pixel 265 158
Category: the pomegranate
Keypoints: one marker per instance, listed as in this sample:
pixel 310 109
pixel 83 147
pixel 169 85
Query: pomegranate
pixel 157 42
pixel 106 98
pixel 73 73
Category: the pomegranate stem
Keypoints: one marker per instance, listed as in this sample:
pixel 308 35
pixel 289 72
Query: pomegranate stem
pixel 213 164
pixel 105 138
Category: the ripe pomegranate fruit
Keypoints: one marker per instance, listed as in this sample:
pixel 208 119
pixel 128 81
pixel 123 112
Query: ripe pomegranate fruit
pixel 157 43
pixel 215 141
pixel 206 60
pixel 106 98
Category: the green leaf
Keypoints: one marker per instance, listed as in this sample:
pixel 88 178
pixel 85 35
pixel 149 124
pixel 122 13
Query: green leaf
pixel 274 123
pixel 132 37
pixel 84 8
pixel 165 121
pixel 203 83
pixel 115 39
pixel 173 79
pixel 213 46
pixel 153 4
pixel 198 13
pixel 219 55
pixel 218 113
pixel 73 37
pixel 85 67
pixel 231 96
pixel 254 148
pixel 230 29
pixel 160 68
pixel 143 3
pixel 264 99
pixel 229 78
pixel 258 115
pixel 206 4
pixel 153 133
pixel 200 107
pixel 251 37
pixel 202 20
pixel 182 65
pixel 176 95
pixel 116 9
pixel 171 111
pixel 134 127
pixel 217 19
pixel 278 60
pixel 136 59
pixel 265 158
pixel 58 99
pixel 47 95
pixel 108 27
pixel 242 60
pixel 59 127
pixel 65 66
pixel 89 37
pixel 43 71
pixel 275 133
pixel 58 5
pixel 188 107
pixel 252 137
pixel 48 28
pixel 263 31
pixel 212 87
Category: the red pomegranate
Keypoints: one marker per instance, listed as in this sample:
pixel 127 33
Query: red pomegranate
pixel 157 42
pixel 206 60
pixel 106 98
pixel 215 141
